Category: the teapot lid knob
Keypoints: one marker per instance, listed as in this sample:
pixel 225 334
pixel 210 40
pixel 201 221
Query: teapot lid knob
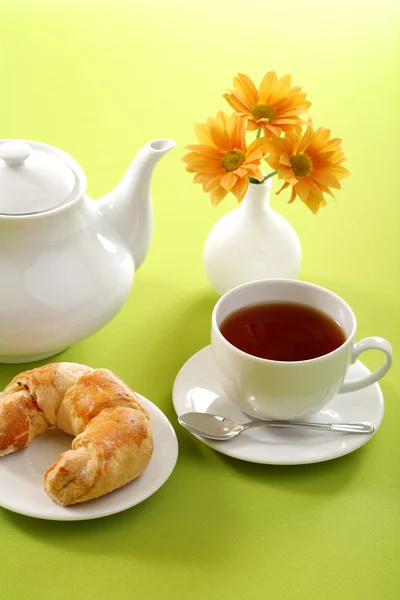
pixel 14 153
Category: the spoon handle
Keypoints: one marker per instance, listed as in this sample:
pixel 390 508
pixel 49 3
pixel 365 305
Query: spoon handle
pixel 365 427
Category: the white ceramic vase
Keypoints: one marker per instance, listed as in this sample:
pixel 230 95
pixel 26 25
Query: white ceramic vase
pixel 250 243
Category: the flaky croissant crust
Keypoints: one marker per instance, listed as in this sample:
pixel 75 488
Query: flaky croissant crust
pixel 113 443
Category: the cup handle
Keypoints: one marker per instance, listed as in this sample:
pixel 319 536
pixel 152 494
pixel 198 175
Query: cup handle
pixel 371 343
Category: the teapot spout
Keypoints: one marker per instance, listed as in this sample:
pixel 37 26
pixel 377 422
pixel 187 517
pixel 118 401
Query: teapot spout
pixel 128 207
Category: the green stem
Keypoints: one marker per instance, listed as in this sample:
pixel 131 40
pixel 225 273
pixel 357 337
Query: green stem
pixel 270 175
pixel 252 180
pixel 259 133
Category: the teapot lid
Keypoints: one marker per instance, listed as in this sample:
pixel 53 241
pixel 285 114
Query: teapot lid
pixel 35 177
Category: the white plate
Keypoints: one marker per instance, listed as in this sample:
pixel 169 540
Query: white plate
pixel 196 389
pixel 21 475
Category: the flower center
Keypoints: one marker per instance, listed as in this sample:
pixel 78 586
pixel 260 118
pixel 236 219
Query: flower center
pixel 263 111
pixel 301 164
pixel 233 159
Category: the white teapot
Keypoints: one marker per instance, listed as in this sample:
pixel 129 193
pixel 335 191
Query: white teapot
pixel 66 262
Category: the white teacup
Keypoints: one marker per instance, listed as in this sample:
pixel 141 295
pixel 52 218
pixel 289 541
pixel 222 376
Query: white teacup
pixel 269 389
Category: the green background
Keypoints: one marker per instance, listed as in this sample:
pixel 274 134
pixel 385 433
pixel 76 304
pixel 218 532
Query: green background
pixel 99 79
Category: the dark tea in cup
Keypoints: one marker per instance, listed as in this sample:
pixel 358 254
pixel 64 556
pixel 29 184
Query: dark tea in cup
pixel 282 331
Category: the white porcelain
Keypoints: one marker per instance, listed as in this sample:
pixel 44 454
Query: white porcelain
pixel 67 263
pixel 251 242
pixel 197 389
pixel 268 389
pixel 21 475
pixel 34 178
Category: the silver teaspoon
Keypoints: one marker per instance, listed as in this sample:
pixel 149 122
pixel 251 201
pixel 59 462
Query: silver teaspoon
pixel 216 427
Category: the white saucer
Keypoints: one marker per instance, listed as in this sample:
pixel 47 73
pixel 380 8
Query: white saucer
pixel 196 389
pixel 21 475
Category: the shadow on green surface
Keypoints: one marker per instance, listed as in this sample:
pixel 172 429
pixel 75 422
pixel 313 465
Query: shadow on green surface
pixel 188 329
pixel 317 479
pixel 165 527
pixel 169 344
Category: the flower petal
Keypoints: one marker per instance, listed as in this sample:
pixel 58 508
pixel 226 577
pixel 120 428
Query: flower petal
pixel 254 155
pixel 245 86
pixel 218 195
pixel 307 137
pixel 258 144
pixel 229 180
pixel 219 135
pixel 252 125
pixel 284 186
pixel 284 160
pixel 255 173
pixel 326 177
pixel 243 104
pixel 240 188
pixel 252 165
pixel 206 165
pixel 268 128
pixel 241 172
pixel 211 183
pixel 202 134
pixel 280 88
pixel 292 195
pixel 201 178
pixel 238 132
pixel 302 189
pixel 204 150
pixel 285 121
pixel 266 84
pixel 287 174
pixel 223 119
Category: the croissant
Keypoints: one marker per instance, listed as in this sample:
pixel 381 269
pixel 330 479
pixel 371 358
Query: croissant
pixel 113 443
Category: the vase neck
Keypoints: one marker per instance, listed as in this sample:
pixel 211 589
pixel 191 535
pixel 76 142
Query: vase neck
pixel 256 200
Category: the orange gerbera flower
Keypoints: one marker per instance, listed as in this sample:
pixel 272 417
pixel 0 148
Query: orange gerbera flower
pixel 311 164
pixel 222 162
pixel 275 106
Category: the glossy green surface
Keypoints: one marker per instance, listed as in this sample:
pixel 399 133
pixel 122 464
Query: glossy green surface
pixel 99 79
